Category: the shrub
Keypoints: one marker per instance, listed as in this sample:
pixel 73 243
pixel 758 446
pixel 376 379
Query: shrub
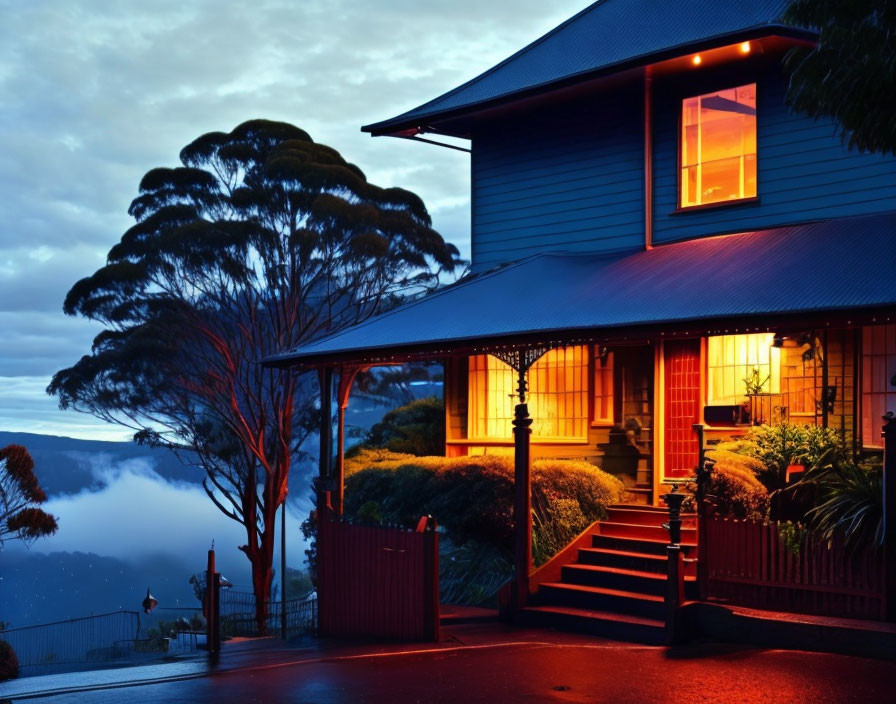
pixel 733 483
pixel 472 497
pixel 851 504
pixel 417 428
pixel 777 446
pixel 9 663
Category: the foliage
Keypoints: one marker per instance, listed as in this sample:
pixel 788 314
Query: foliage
pixel 555 522
pixel 260 242
pixel 851 505
pixel 755 382
pixel 792 536
pixel 850 73
pixel 9 662
pixel 20 495
pixel 471 573
pixel 417 428
pixel 472 497
pixel 733 483
pixel 777 446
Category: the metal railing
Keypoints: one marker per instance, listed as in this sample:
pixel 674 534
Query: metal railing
pixel 237 612
pixel 102 638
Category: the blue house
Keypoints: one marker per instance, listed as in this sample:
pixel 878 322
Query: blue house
pixel 652 227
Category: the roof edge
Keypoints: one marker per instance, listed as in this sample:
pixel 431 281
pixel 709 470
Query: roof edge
pixel 405 120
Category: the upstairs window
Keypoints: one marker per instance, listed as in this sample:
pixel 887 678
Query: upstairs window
pixel 558 396
pixel 718 147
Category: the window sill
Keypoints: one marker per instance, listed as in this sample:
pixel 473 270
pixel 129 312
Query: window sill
pixel 602 424
pixel 712 206
pixel 497 442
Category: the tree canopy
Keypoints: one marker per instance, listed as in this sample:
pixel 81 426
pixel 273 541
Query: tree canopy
pixel 259 242
pixel 850 74
pixel 20 497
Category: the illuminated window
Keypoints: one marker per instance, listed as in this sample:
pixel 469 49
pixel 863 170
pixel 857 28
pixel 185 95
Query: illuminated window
pixel 558 396
pixel 732 360
pixel 878 380
pixel 603 389
pixel 718 146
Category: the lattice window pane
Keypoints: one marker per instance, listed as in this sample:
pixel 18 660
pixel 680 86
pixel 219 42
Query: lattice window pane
pixel 558 402
pixel 732 359
pixel 878 380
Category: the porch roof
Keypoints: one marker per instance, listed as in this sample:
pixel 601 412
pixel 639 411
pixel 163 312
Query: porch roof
pixel 753 278
pixel 607 37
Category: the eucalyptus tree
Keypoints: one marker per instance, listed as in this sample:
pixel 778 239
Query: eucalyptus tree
pixel 260 241
pixel 850 74
pixel 21 517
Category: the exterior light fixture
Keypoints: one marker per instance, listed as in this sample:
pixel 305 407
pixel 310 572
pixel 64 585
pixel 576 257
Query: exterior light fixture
pixel 697 60
pixel 150 602
pixel 745 47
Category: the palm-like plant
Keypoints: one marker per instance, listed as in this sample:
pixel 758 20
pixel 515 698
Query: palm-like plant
pixel 852 505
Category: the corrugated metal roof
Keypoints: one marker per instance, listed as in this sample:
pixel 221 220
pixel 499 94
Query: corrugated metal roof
pixel 828 266
pixel 609 33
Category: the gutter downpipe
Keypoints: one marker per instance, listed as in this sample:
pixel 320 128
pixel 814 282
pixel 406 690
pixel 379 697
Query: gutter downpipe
pixel 648 160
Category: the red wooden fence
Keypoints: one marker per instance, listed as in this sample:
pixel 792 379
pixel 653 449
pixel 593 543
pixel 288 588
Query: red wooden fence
pixel 377 582
pixel 748 564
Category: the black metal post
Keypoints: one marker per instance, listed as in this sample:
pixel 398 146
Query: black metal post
pixel 522 507
pixel 675 567
pixel 889 436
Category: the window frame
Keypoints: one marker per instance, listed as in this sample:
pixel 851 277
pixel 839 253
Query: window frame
pixel 747 200
pixel 587 370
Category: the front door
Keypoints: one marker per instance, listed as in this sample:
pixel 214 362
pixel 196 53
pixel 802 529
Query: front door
pixel 682 407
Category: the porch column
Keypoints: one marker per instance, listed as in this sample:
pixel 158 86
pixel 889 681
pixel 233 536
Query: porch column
pixel 325 379
pixel 889 435
pixel 522 487
pixel 346 378
pixel 520 361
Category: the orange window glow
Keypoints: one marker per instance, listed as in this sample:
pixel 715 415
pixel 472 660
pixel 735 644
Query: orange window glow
pixel 718 146
pixel 603 389
pixel 878 380
pixel 732 360
pixel 558 401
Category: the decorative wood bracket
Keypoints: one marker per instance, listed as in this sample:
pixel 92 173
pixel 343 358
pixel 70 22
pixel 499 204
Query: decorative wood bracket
pixel 520 360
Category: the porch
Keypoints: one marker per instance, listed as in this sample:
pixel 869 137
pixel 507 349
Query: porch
pixel 616 359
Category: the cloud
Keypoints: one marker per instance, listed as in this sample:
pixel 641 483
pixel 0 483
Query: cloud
pixel 138 515
pixel 97 92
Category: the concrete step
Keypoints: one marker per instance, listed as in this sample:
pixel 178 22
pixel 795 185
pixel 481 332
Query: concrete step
pixel 601 599
pixel 600 623
pixel 646 546
pixel 620 579
pixel 648 532
pixel 630 560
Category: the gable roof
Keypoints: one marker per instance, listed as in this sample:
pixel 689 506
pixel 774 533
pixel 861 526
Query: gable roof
pixel 825 267
pixel 608 36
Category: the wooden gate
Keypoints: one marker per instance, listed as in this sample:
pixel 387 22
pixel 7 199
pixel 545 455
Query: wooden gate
pixel 682 407
pixel 377 582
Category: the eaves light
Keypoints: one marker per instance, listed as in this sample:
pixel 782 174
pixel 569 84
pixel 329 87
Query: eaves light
pixel 697 60
pixel 745 47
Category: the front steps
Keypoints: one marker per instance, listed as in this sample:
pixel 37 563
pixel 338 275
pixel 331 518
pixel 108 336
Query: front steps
pixel 616 587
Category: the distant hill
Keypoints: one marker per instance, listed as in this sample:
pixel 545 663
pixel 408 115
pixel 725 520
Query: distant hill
pixel 38 588
pixel 69 465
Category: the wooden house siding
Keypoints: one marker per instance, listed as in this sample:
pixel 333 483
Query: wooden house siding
pixel 568 179
pixel 805 172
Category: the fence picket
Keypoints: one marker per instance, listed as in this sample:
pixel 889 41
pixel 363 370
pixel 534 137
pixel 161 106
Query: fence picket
pixel 749 564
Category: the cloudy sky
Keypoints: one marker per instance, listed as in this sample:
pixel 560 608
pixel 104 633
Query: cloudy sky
pixel 97 92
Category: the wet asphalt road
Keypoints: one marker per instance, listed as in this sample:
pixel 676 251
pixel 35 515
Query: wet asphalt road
pixel 528 672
